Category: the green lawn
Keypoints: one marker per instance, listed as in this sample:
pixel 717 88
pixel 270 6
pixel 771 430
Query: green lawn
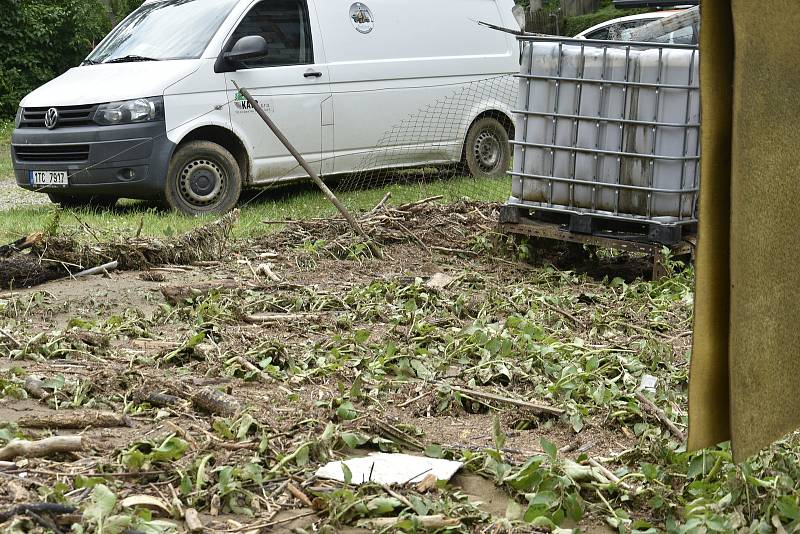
pixel 278 203
pixel 274 204
pixel 6 169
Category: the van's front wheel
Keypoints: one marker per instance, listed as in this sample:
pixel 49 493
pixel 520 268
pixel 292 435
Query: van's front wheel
pixel 488 153
pixel 203 179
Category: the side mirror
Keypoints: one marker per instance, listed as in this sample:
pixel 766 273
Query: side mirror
pixel 250 47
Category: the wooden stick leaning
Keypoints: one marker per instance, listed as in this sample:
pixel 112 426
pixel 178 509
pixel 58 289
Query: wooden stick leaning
pixel 303 163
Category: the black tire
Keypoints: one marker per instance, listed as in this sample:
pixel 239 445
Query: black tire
pixel 203 179
pixel 487 151
pixel 71 202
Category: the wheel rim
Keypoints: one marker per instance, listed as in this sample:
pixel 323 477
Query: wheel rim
pixel 488 151
pixel 202 183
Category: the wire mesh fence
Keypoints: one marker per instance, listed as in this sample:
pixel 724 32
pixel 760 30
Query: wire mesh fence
pixel 448 143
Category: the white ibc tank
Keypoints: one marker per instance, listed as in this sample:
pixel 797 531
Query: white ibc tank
pixel 585 134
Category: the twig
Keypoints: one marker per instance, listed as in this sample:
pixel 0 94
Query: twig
pixel 260 526
pixel 380 204
pixel 428 522
pixel 397 496
pixel 299 495
pixel 650 407
pixel 455 251
pixel 415 399
pixel 250 367
pixel 40 508
pixel 560 311
pixel 281 317
pixel 266 270
pixel 11 338
pixel 38 449
pixel 608 474
pixel 540 408
pixel 406 207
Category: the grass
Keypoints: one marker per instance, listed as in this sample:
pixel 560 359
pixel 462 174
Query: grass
pixel 6 170
pixel 297 201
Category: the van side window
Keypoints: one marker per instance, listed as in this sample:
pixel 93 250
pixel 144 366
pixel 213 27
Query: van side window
pixel 285 26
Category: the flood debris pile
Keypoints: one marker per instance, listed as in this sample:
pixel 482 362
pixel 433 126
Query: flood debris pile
pixel 426 223
pixel 126 405
pixel 41 258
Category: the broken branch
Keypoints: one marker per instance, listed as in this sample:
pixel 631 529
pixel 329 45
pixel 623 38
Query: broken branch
pixel 425 521
pixel 39 449
pixel 180 293
pixel 651 408
pixel 299 495
pixel 76 420
pixel 216 402
pixel 539 408
pixel 281 317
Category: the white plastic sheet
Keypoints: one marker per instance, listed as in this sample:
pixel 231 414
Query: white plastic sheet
pixel 390 469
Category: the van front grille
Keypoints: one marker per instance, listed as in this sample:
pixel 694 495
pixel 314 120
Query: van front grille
pixel 67 116
pixel 52 153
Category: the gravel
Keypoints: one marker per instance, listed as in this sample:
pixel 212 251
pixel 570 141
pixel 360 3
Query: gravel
pixel 13 196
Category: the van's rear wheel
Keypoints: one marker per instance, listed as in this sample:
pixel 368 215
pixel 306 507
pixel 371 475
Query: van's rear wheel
pixel 70 202
pixel 203 179
pixel 488 153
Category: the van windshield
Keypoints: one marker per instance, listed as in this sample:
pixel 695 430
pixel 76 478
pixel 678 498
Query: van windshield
pixel 167 29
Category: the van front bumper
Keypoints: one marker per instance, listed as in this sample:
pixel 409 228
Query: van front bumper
pixel 128 161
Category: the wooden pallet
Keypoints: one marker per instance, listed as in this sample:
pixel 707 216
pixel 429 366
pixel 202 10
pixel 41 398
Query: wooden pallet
pixel 514 220
pixel 591 224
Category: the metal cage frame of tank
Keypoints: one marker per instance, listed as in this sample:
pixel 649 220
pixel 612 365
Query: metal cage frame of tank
pixel 686 189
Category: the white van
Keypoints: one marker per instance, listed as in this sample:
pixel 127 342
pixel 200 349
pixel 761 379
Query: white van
pixel 153 113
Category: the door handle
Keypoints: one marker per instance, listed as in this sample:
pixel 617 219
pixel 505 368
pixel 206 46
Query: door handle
pixel 313 74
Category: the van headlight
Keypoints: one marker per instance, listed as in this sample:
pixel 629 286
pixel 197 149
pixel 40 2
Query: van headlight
pixel 130 111
pixel 18 119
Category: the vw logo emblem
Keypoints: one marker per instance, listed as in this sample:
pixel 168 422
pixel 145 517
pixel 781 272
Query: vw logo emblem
pixel 51 118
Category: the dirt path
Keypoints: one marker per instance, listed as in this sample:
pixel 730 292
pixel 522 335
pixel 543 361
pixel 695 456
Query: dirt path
pixel 12 196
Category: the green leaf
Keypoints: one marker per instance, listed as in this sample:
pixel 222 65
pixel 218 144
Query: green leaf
pixel 244 426
pixel 117 524
pixel 498 434
pixel 301 458
pixel 383 505
pixel 346 412
pixel 102 504
pixel 353 440
pixel 649 471
pixel 225 482
pixel 434 451
pixel 576 421
pixel 57 383
pixel 348 474
pixel 549 448
pixel 173 448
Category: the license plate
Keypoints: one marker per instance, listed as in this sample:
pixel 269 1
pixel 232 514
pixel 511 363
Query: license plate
pixel 49 178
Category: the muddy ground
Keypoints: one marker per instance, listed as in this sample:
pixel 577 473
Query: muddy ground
pixel 322 351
